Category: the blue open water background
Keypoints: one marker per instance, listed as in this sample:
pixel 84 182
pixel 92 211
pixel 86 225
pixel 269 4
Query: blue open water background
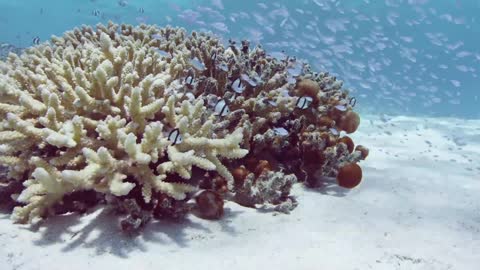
pixel 398 57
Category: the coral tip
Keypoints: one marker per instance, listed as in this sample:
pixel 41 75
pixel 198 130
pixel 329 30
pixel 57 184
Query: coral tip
pixel 349 176
pixel 348 142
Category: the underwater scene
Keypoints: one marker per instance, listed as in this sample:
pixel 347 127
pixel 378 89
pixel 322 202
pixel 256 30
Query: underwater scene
pixel 222 134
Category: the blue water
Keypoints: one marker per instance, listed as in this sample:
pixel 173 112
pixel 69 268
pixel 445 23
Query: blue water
pixel 400 57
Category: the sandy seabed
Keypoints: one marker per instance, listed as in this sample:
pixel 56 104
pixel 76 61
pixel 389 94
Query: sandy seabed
pixel 418 208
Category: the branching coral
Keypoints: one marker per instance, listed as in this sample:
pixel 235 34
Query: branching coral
pixel 94 111
pixel 90 113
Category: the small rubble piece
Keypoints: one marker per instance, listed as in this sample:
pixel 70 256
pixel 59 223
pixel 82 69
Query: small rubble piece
pixel 167 208
pixel 270 188
pixel 136 217
pixel 209 204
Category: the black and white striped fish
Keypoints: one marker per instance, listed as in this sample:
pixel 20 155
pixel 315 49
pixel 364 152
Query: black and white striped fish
pixel 238 86
pixel 36 40
pixel 221 108
pixel 96 12
pixel 175 137
pixel 352 101
pixel 190 79
pixel 304 102
pixel 141 10
pixel 214 56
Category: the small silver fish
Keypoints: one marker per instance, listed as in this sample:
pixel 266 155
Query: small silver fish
pixel 238 86
pixel 175 137
pixel 280 131
pixel 197 64
pixel 334 131
pixel 295 70
pixel 223 67
pixel 291 80
pixel 162 52
pixel 269 102
pixel 96 12
pixel 246 78
pixel 221 108
pixel 280 56
pixel 157 36
pixel 304 102
pixel 340 107
pixel 36 40
pixel 141 10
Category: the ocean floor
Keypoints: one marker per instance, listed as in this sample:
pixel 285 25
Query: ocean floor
pixel 418 208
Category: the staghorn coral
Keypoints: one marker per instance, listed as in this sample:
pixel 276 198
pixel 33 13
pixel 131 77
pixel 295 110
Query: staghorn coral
pixel 93 111
pixel 90 113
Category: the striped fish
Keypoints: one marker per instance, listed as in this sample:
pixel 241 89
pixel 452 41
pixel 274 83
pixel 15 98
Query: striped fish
pixel 221 108
pixel 36 40
pixel 304 102
pixel 190 79
pixel 175 137
pixel 238 86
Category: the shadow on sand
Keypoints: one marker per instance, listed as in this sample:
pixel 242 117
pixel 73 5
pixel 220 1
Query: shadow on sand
pixel 99 230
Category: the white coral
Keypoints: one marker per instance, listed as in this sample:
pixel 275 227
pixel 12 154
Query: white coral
pixel 91 112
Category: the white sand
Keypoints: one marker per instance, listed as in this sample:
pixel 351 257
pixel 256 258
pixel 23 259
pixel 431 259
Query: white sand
pixel 418 208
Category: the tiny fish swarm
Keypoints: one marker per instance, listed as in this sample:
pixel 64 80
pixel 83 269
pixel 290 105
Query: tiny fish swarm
pixel 129 116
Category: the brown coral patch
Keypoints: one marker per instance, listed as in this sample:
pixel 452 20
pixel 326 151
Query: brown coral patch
pixel 349 176
pixel 347 141
pixel 262 166
pixel 220 184
pixel 329 139
pixel 308 88
pixel 209 204
pixel 363 150
pixel 239 175
pixel 349 122
pixel 325 121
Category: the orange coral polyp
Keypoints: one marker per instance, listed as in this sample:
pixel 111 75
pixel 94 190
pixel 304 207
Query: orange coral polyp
pixel 349 176
pixel 308 88
pixel 347 141
pixel 363 150
pixel 349 122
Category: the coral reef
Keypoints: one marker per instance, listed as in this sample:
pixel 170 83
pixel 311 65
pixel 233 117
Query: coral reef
pixel 6 49
pixel 143 118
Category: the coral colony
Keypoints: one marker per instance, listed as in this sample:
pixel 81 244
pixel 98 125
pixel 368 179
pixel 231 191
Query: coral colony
pixel 156 123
